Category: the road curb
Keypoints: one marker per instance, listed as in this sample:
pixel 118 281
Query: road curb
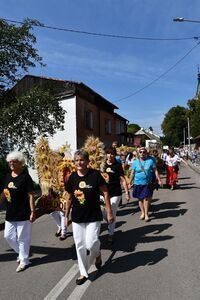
pixel 2 219
pixel 194 168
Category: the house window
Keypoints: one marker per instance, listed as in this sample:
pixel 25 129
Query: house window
pixel 89 119
pixel 122 128
pixel 108 128
pixel 118 131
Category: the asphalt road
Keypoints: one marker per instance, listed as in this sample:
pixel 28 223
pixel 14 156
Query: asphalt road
pixel 148 261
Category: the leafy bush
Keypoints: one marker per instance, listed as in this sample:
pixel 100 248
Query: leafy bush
pixel 3 171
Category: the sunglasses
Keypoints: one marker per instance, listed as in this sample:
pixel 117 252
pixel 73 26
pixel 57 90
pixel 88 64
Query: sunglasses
pixel 142 151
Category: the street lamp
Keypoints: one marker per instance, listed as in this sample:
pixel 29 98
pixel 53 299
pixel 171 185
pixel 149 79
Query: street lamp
pixel 185 20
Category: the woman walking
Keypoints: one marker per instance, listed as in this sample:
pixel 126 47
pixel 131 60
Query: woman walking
pixel 172 166
pixel 141 172
pixel 116 176
pixel 20 208
pixel 84 187
pixel 59 218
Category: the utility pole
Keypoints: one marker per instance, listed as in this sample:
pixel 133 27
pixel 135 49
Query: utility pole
pixel 184 137
pixel 189 147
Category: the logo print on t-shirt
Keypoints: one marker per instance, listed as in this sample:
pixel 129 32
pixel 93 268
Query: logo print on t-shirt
pixel 11 185
pixel 82 184
pixel 109 170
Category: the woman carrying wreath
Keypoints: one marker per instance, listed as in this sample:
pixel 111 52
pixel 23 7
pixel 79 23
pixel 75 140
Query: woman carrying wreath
pixel 141 175
pixel 84 187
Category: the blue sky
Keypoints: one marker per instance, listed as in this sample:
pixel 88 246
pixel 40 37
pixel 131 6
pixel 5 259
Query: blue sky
pixel 116 68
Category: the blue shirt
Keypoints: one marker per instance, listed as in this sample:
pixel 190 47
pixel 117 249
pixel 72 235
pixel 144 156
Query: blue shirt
pixel 141 177
pixel 117 157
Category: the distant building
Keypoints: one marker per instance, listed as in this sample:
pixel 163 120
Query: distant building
pixel 87 112
pixel 147 138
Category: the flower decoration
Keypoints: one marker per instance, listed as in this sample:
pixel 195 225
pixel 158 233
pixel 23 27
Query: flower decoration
pixel 7 195
pixel 105 176
pixel 80 196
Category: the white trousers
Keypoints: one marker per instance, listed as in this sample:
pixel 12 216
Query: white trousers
pixel 114 201
pixel 59 217
pixel 18 236
pixel 86 237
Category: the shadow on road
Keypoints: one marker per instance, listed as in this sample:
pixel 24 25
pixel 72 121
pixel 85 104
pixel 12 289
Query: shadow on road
pixel 168 214
pixel 104 226
pixel 128 240
pixel 47 255
pixel 188 187
pixel 131 261
pixel 127 211
pixel 167 210
pixel 185 184
pixel 166 205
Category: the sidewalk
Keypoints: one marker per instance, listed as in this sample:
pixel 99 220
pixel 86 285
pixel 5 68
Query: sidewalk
pixel 195 167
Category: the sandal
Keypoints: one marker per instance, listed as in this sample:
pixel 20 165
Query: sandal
pixel 58 233
pixel 81 280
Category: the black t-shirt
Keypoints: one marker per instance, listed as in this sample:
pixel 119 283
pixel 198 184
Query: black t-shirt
pixel 114 172
pixel 85 196
pixel 16 191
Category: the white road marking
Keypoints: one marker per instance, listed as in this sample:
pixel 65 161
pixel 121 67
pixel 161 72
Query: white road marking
pixel 61 285
pixel 80 289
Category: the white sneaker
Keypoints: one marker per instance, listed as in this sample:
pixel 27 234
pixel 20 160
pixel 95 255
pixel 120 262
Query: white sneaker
pixel 21 268
pixel 18 260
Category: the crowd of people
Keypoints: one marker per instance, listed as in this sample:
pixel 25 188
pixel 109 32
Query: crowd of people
pixel 90 199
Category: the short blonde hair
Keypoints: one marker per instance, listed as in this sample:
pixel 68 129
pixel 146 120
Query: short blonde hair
pixel 16 155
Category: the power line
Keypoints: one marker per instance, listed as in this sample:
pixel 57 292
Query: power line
pixel 159 77
pixel 104 34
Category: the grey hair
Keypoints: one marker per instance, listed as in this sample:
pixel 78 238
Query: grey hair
pixel 82 153
pixel 16 155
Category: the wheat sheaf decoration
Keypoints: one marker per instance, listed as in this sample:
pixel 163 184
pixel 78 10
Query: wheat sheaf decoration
pixel 46 162
pixel 96 151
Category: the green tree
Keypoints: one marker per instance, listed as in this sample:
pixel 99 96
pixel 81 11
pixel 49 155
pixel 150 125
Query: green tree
pixel 174 122
pixel 151 128
pixel 17 52
pixel 194 115
pixel 133 128
pixel 36 113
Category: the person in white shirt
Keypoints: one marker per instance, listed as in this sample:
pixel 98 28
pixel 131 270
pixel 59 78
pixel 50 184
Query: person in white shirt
pixel 164 155
pixel 172 165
